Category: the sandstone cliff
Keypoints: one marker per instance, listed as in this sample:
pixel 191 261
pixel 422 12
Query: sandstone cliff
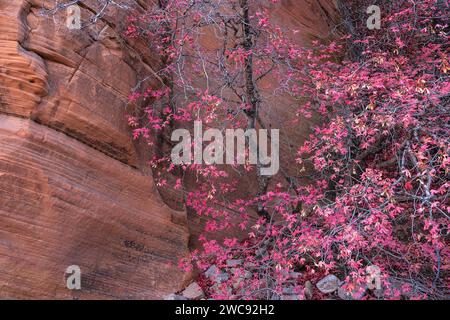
pixel 72 187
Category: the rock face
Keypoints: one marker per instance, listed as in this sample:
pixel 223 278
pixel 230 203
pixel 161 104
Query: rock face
pixel 74 186
pixel 63 203
pixel 75 81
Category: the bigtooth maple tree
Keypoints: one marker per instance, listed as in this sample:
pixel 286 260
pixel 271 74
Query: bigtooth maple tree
pixel 376 168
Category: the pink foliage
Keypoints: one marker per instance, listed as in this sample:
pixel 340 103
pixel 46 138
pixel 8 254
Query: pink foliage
pixel 376 165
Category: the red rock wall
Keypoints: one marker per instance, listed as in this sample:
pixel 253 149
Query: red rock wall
pixel 63 203
pixel 74 187
pixel 71 187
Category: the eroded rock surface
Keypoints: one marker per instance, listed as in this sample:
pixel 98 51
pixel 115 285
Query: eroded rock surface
pixel 63 203
pixel 73 187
